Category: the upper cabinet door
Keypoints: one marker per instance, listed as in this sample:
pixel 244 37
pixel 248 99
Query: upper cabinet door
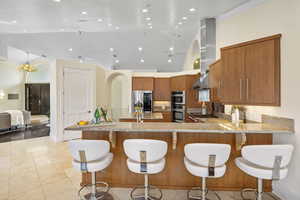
pixel 232 85
pixel 143 83
pixel 262 73
pixel 178 83
pixel 215 75
pixel 162 89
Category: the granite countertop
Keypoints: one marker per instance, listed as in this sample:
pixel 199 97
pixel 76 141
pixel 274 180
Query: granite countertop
pixel 151 116
pixel 185 127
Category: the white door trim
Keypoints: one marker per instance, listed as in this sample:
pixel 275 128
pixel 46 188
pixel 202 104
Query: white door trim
pixel 58 128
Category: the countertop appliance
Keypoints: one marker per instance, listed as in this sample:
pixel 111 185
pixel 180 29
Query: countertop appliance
pixel 143 97
pixel 178 106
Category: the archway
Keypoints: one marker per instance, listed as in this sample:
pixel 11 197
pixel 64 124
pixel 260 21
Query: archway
pixel 118 93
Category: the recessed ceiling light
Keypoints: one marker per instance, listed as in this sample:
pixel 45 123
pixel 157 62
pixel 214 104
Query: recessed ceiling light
pixel 70 49
pixel 192 9
pixel 117 28
pixel 84 13
pixel 171 48
pixel 117 61
pixel 142 60
pixel 140 48
pixel 169 60
pixel 100 20
pixel 14 21
pixel 184 18
pixel 111 49
pixel 109 24
pixel 179 23
pixel 57 0
pixel 150 27
pixel 149 24
pixel 148 18
pixel 145 10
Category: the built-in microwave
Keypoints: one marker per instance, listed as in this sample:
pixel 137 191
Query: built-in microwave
pixel 178 97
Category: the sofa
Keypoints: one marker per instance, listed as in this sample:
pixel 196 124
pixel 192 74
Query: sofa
pixel 5 121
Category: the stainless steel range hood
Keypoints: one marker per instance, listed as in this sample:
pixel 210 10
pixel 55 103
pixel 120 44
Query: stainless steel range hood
pixel 207 51
pixel 202 82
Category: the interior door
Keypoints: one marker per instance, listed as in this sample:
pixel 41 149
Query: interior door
pixel 35 99
pixel 78 97
pixel 45 99
pixel 232 83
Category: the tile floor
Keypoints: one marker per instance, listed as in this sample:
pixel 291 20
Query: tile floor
pixel 21 134
pixel 39 169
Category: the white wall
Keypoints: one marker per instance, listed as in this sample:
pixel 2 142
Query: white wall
pixel 11 81
pixel 192 53
pixel 269 18
pixel 119 87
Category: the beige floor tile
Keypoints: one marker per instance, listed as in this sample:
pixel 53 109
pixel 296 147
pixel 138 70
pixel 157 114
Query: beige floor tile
pixel 39 169
pixel 35 194
pixel 4 191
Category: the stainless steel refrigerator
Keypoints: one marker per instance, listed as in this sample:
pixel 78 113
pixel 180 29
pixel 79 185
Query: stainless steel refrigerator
pixel 143 97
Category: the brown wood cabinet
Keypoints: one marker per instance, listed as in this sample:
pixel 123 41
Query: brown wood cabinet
pixel 143 83
pixel 251 72
pixel 215 78
pixel 262 76
pixel 233 75
pixel 167 116
pixel 185 83
pixel 178 83
pixel 191 94
pixel 162 89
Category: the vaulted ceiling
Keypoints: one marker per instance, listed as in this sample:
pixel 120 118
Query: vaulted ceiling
pixel 126 34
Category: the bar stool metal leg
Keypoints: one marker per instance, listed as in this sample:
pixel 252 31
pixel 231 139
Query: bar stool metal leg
pixel 147 189
pixel 204 192
pixel 92 193
pixel 258 192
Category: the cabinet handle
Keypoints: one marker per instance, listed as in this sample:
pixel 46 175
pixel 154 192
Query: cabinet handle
pixel 220 89
pixel 247 85
pixel 241 83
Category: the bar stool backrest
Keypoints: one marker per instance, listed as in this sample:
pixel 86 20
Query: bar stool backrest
pixel 200 153
pixel 93 149
pixel 154 149
pixel 265 155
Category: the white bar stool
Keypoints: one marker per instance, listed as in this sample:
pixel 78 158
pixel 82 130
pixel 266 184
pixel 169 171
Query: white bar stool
pixel 267 162
pixel 205 160
pixel 146 157
pixel 91 156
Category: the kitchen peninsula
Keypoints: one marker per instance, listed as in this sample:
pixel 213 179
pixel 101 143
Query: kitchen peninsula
pixel 177 135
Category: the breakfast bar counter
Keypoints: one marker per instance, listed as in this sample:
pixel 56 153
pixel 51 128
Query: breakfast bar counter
pixel 175 176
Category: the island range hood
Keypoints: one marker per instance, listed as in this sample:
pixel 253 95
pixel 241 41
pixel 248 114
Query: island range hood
pixel 207 51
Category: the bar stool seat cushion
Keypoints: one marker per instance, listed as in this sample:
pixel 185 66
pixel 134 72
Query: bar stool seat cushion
pixel 152 167
pixel 97 165
pixel 258 171
pixel 202 171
